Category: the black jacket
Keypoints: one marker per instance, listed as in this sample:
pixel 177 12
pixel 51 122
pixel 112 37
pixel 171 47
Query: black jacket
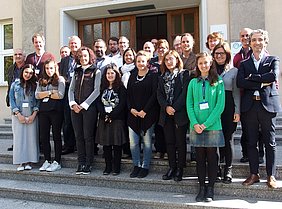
pixel 179 99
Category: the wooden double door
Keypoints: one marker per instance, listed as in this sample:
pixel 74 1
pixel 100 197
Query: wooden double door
pixel 141 28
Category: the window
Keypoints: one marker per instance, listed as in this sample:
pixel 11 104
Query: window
pixel 184 21
pixel 91 30
pixel 6 50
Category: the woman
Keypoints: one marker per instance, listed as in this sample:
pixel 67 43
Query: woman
pixel 50 91
pixel 24 107
pixel 84 90
pixel 231 114
pixel 205 103
pixel 129 56
pixel 143 113
pixel 213 39
pixel 171 95
pixel 111 127
pixel 155 64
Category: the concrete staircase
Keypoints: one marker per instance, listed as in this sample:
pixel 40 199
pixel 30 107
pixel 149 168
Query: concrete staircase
pixel 65 189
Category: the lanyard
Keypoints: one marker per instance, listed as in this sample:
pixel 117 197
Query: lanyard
pixel 204 89
pixel 37 63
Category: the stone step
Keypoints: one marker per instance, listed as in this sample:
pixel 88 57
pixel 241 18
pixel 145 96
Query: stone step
pixel 5 127
pixel 96 190
pixel 240 170
pixel 278 130
pixel 8 203
pixel 7 120
pixel 158 167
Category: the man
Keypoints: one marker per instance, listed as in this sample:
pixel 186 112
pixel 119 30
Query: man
pixel 243 54
pixel 189 63
pixel 187 56
pixel 123 44
pixel 258 78
pixel 154 41
pixel 177 44
pixel 64 51
pixel 113 47
pixel 67 66
pixel 38 57
pixel 14 72
pixel 102 60
pixel 149 47
pixel 245 51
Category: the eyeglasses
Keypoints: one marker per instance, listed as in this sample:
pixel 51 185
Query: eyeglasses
pixel 245 35
pixel 219 53
pixel 20 54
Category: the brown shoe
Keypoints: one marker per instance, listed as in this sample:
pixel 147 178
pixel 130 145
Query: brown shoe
pixel 253 178
pixel 271 182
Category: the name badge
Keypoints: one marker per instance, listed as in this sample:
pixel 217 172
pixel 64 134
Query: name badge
pixel 25 104
pixel 37 71
pixel 204 105
pixel 45 99
pixel 108 109
pixel 71 74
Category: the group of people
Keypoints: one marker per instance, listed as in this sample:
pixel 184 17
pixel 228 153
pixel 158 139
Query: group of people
pixel 119 100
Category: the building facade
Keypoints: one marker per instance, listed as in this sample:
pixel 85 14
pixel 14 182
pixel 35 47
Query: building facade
pixel 139 20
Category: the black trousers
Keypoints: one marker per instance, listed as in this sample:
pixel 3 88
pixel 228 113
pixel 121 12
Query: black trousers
pixel 257 118
pixel 46 120
pixel 159 144
pixel 175 138
pixel 113 160
pixel 244 142
pixel 69 137
pixel 204 155
pixel 85 133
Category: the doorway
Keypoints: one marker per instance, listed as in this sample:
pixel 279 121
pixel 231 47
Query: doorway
pixel 149 27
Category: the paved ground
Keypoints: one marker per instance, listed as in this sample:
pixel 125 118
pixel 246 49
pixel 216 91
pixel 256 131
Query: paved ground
pixel 6 203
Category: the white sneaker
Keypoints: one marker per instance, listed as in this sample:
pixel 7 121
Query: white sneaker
pixel 20 168
pixel 27 167
pixel 54 167
pixel 45 165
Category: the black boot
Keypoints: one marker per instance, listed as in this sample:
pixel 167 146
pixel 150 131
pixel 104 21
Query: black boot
pixel 201 195
pixel 169 174
pixel 218 176
pixel 227 175
pixel 108 169
pixel 209 194
pixel 178 174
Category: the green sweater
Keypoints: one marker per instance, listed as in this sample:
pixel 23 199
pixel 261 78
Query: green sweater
pixel 215 97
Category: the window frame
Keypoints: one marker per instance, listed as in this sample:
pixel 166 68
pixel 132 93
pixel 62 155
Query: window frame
pixel 4 52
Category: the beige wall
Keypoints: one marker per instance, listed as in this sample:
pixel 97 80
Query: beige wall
pixel 218 13
pixel 53 21
pixel 273 25
pixel 10 10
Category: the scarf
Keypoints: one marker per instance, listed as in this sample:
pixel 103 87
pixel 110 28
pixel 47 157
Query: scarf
pixel 169 83
pixel 126 68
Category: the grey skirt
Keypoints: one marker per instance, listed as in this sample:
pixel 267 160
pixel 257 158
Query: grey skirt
pixel 207 139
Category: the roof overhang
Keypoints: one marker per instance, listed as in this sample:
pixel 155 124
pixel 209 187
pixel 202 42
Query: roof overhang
pixel 114 8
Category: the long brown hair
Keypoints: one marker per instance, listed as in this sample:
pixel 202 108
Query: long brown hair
pixel 45 79
pixel 213 76
pixel 30 85
pixel 174 53
pixel 117 82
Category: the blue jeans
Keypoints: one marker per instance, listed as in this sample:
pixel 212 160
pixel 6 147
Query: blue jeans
pixel 134 140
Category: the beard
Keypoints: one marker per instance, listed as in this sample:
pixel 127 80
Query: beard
pixel 113 50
